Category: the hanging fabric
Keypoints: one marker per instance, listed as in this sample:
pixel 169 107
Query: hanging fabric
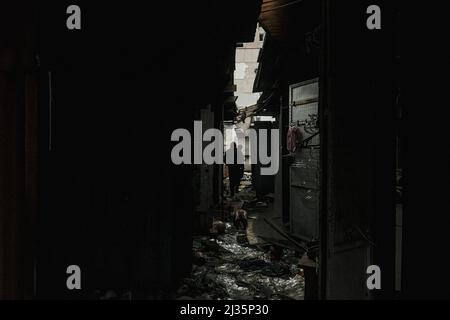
pixel 294 138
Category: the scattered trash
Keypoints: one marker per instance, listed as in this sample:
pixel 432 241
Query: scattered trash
pixel 218 227
pixel 198 258
pixel 276 253
pixel 241 237
pixel 227 268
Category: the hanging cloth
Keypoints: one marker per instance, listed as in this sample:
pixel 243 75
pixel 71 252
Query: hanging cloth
pixel 294 138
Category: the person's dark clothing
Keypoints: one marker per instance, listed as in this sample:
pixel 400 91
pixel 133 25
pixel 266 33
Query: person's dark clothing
pixel 235 170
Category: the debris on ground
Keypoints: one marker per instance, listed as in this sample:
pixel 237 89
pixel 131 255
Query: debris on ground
pixel 276 253
pixel 218 227
pixel 225 267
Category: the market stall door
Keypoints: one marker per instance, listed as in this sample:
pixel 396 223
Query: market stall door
pixel 304 169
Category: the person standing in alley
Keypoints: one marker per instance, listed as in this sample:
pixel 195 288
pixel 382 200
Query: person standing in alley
pixel 234 159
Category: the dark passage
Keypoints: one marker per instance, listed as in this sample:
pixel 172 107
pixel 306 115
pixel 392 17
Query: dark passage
pixel 87 172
